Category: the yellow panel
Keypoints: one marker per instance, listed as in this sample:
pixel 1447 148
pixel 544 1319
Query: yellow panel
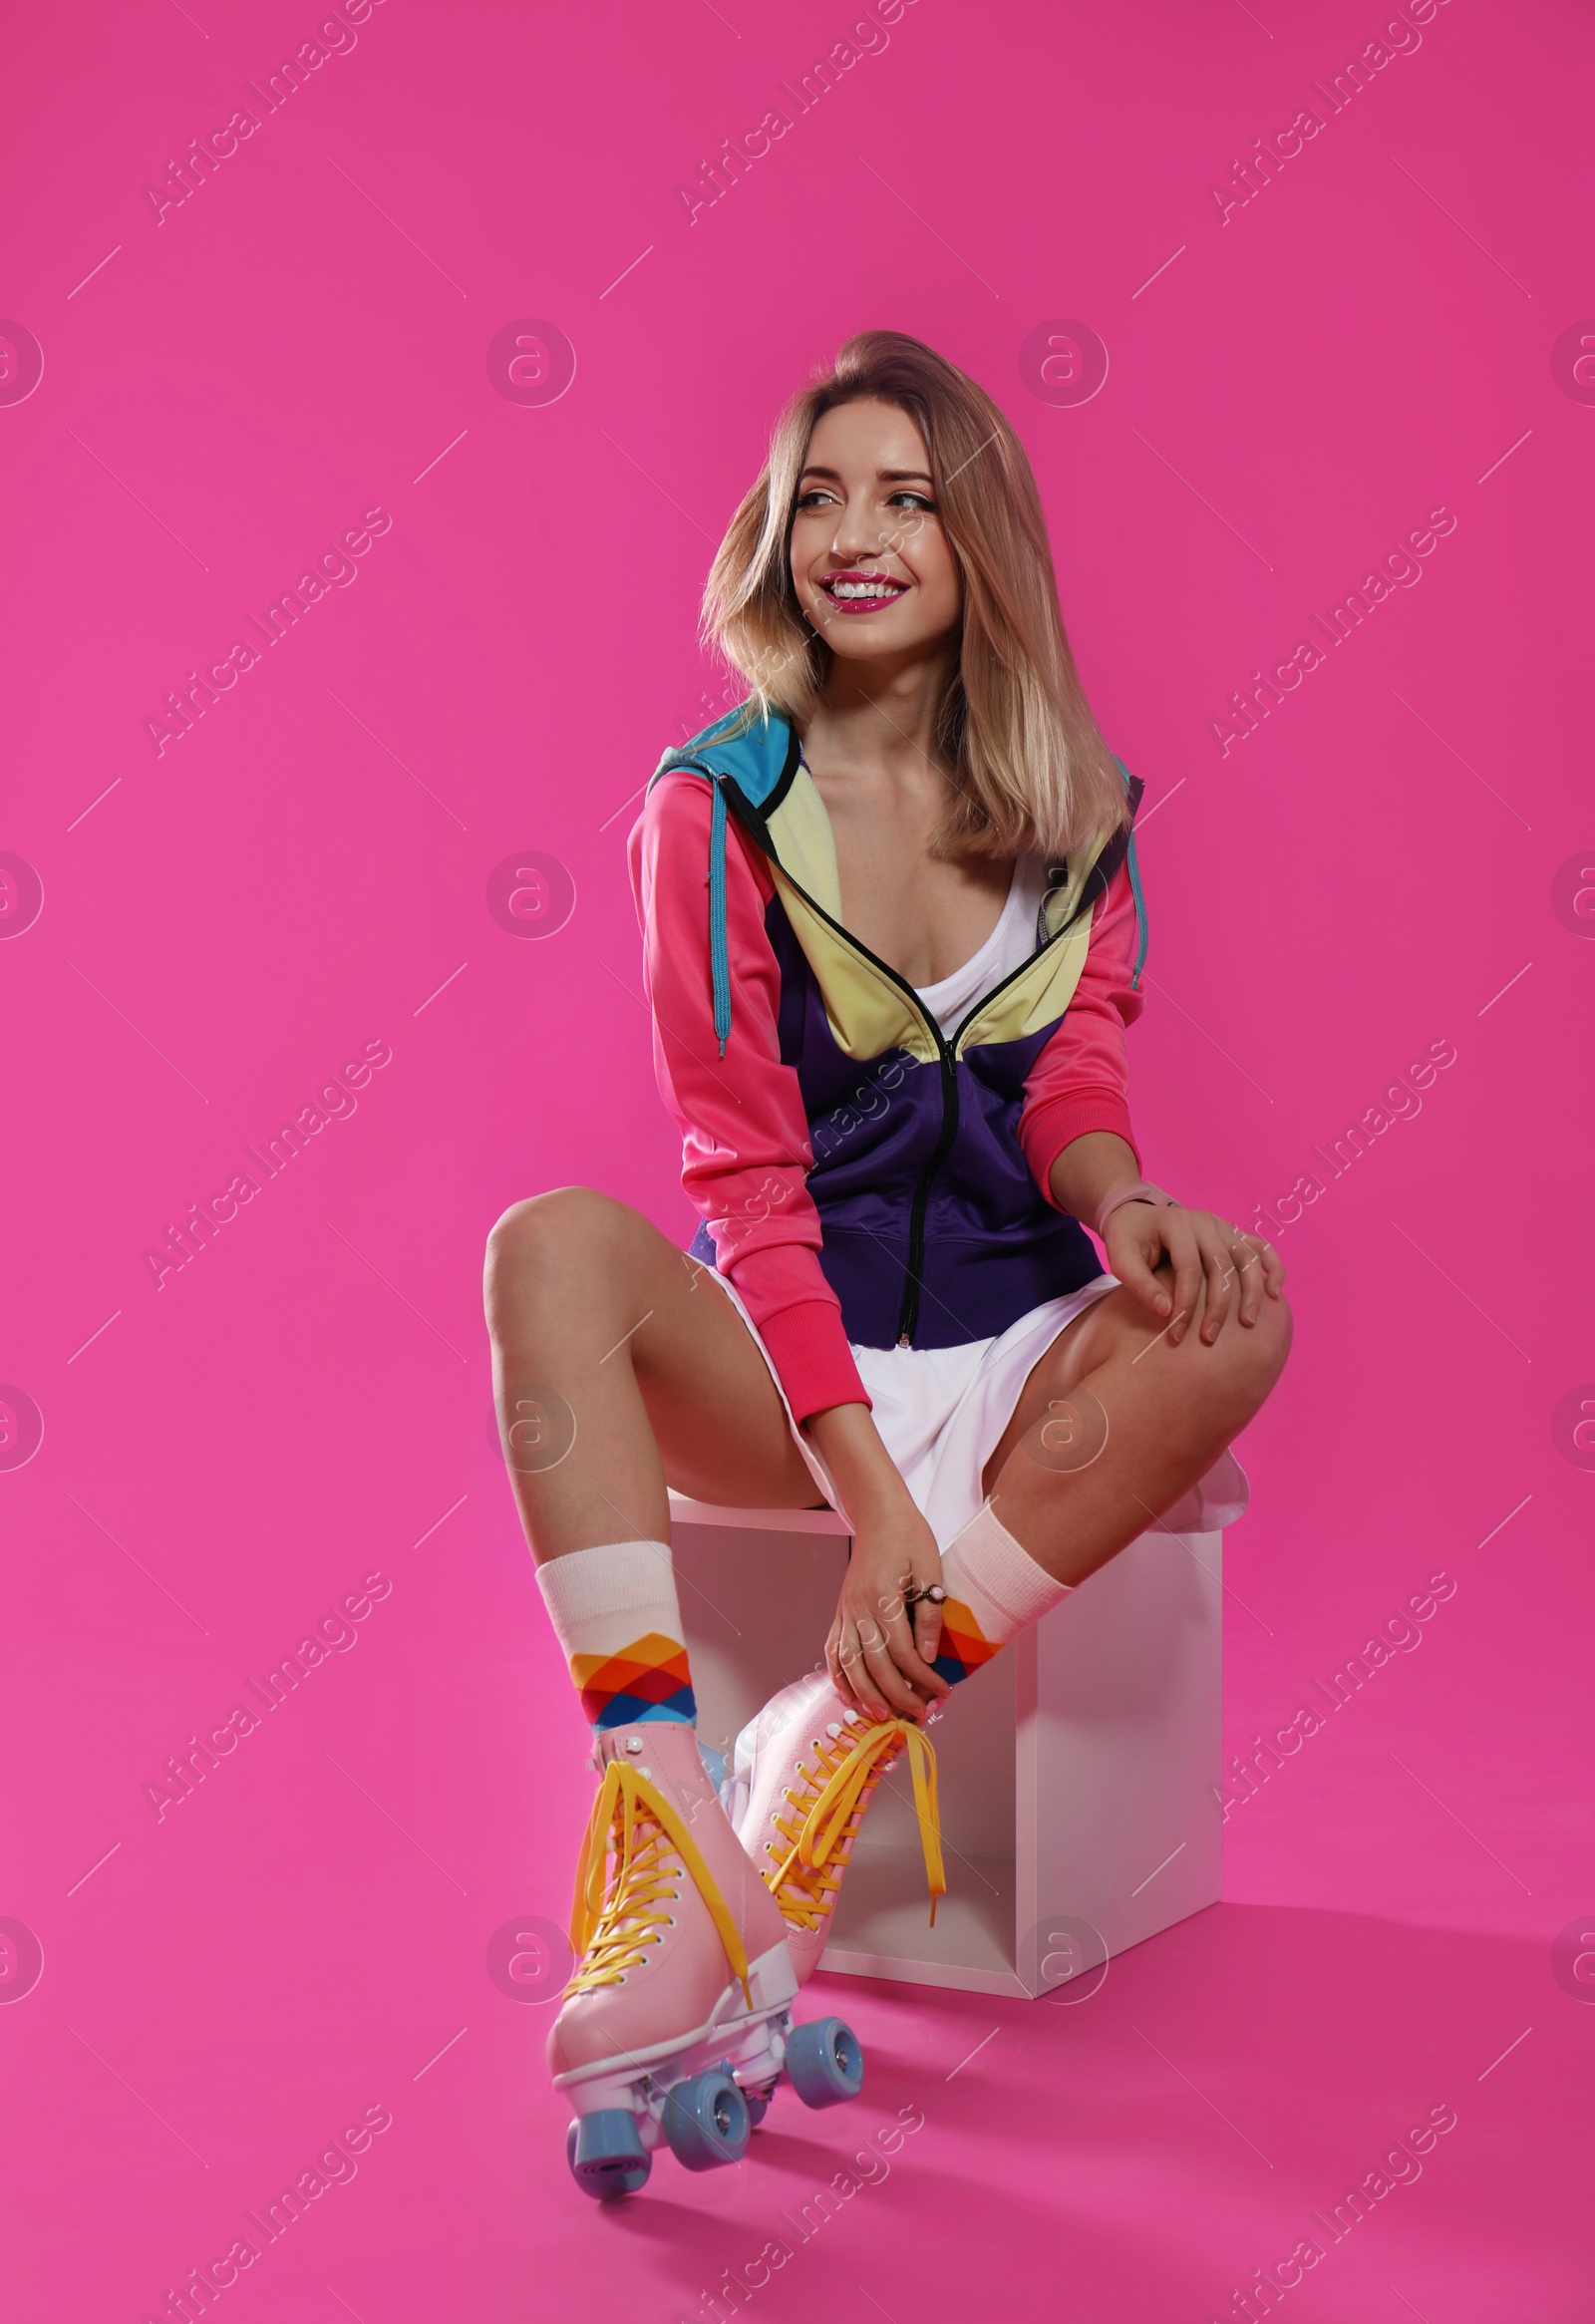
pixel 867 1012
pixel 1038 997
pixel 800 828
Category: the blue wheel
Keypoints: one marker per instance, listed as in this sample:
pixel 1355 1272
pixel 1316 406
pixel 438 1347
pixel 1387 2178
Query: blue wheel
pixel 757 2102
pixel 707 2122
pixel 825 2062
pixel 605 2154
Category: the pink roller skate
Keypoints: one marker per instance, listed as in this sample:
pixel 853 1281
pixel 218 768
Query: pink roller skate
pixel 677 2023
pixel 802 1773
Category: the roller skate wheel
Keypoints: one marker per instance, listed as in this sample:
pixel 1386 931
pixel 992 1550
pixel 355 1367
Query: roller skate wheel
pixel 706 2120
pixel 606 2155
pixel 825 2062
pixel 758 2103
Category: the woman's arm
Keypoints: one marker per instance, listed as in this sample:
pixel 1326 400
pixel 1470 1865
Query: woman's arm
pixel 745 1164
pixel 1076 1133
pixel 1162 1253
pixel 745 1136
pixel 1079 1082
pixel 1090 1168
pixel 879 1649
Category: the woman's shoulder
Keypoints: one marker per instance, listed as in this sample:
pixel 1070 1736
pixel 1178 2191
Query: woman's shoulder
pixel 670 789
pixel 676 810
pixel 670 841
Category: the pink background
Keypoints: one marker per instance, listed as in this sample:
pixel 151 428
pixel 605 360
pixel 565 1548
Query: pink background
pixel 1376 868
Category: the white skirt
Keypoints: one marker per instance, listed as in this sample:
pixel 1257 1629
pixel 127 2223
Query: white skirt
pixel 941 1414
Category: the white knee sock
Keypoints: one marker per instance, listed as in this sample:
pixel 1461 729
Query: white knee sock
pixel 994 1589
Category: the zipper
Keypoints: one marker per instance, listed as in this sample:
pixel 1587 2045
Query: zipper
pixel 946 1056
pixel 913 1285
pixel 908 1309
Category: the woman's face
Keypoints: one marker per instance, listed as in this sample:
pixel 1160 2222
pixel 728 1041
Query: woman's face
pixel 870 563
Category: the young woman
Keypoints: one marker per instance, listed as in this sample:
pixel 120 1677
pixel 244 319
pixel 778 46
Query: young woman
pixel 892 937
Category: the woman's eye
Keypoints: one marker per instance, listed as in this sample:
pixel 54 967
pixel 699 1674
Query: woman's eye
pixel 813 498
pixel 916 501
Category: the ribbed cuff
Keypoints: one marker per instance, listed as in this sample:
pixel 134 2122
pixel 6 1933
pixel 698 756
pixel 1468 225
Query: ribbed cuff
pixel 1003 1570
pixel 810 1350
pixel 1058 1122
pixel 619 1577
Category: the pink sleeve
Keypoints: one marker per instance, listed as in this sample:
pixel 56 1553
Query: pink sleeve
pixel 1081 1078
pixel 744 1135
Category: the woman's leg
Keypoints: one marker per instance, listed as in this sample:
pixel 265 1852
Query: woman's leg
pixel 616 1365
pixel 1114 1424
pixel 617 1368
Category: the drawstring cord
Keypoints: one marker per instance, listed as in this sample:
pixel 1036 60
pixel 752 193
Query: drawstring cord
pixel 718 961
pixel 1141 912
pixel 1133 869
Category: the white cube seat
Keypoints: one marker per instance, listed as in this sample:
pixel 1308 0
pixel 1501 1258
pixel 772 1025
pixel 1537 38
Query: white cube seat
pixel 1080 1771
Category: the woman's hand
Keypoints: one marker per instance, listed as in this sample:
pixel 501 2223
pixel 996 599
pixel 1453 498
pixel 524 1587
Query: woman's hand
pixel 1147 1244
pixel 882 1642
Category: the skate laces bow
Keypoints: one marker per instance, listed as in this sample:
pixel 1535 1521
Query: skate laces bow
pixel 611 1928
pixel 851 1763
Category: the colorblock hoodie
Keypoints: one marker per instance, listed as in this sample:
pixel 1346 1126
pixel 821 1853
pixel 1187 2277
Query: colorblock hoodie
pixel 860 1176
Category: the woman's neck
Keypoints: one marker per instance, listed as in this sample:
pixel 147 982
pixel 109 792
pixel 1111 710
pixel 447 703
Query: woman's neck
pixel 871 721
pixel 870 748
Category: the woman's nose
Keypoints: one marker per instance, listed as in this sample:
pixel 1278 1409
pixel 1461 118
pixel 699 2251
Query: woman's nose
pixel 859 534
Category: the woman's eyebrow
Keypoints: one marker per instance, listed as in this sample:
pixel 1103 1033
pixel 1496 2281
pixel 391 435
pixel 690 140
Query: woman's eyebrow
pixel 885 475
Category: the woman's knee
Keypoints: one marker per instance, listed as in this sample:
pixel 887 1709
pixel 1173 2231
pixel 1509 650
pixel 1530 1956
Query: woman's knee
pixel 540 1245
pixel 1250 1357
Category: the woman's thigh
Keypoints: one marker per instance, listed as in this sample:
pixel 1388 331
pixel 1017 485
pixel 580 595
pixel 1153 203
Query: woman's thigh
pixel 722 1428
pixel 1166 1403
pixel 587 1297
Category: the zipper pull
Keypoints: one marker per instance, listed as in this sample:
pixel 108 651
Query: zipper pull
pixel 905 1341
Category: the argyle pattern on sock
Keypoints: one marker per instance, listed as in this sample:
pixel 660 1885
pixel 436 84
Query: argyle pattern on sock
pixel 963 1647
pixel 647 1679
pixel 616 1615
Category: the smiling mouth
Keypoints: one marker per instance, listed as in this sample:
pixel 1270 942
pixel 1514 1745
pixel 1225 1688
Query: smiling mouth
pixel 862 592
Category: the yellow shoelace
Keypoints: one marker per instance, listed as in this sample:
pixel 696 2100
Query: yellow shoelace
pixel 611 1929
pixel 827 1813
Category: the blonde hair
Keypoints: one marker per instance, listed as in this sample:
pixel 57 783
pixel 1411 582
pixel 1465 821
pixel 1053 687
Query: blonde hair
pixel 1028 768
